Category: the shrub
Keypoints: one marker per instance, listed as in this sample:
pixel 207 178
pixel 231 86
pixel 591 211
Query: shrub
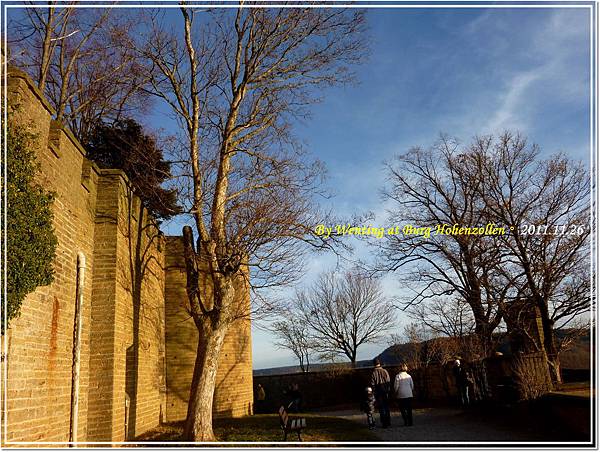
pixel 30 240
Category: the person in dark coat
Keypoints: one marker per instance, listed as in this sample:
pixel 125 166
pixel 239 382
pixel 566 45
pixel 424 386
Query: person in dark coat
pixel 463 379
pixel 380 382
pixel 295 396
pixel 368 407
pixel 260 399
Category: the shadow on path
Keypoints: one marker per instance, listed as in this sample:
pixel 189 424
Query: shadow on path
pixel 453 424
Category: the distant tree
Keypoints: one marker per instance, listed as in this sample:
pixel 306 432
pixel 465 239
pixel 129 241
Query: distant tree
pixel 419 346
pixel 294 335
pixel 451 327
pixel 124 145
pixel 415 335
pixel 569 337
pixel 30 240
pixel 449 317
pixel 344 312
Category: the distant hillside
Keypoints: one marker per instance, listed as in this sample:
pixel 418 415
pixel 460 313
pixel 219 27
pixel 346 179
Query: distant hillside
pixel 395 354
pixel 318 367
pixel 578 356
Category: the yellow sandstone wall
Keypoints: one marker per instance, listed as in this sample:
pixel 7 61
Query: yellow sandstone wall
pixel 127 316
pixel 134 296
pixel 40 351
pixel 233 392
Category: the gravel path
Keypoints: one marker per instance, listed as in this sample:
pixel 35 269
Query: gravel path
pixel 449 424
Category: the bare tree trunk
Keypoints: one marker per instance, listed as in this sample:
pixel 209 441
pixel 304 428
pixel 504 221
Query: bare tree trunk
pixel 198 425
pixel 484 336
pixel 46 55
pixel 550 344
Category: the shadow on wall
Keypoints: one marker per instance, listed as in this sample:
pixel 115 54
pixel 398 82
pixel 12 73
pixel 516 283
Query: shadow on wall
pixel 236 357
pixel 233 363
pixel 233 386
pixel 140 275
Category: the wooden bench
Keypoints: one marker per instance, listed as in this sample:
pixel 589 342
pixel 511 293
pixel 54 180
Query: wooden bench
pixel 290 425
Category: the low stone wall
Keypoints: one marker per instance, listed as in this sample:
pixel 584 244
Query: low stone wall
pixel 495 380
pixel 433 385
pixel 567 415
pixel 568 412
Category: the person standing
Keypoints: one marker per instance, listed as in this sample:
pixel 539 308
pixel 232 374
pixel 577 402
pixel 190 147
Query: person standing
pixel 462 378
pixel 368 407
pixel 295 395
pixel 380 382
pixel 404 389
pixel 260 399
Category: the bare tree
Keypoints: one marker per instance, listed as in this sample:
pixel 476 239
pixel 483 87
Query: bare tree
pixel 444 349
pixel 294 335
pixel 537 267
pixel 448 317
pixel 234 82
pixel 547 204
pixel 430 188
pixel 79 59
pixel 343 313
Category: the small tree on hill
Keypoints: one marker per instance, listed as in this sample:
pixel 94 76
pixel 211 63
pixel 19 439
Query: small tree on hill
pixel 343 313
pixel 30 239
pixel 294 335
pixel 124 145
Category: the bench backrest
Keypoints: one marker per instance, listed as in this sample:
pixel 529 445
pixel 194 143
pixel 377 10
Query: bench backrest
pixel 283 417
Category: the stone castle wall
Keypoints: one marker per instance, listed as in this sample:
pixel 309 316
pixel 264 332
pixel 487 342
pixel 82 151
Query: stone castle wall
pixel 40 341
pixel 128 344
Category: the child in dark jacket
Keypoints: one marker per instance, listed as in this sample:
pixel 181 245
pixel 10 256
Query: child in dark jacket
pixel 368 407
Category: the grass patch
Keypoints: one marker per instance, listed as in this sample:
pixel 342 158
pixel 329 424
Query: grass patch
pixel 265 428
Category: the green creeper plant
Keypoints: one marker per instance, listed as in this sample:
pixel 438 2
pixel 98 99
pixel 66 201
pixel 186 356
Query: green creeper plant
pixel 30 239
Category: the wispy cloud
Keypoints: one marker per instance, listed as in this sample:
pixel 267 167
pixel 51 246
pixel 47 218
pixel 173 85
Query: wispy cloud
pixel 510 113
pixel 527 89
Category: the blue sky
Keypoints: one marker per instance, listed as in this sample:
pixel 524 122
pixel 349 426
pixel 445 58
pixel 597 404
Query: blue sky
pixel 458 71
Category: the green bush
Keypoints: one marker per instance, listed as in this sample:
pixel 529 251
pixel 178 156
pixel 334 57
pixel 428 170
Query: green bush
pixel 30 239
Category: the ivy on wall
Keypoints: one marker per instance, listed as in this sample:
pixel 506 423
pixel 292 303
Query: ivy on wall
pixel 30 239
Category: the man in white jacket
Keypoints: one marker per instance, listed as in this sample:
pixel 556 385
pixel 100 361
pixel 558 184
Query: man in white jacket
pixel 403 388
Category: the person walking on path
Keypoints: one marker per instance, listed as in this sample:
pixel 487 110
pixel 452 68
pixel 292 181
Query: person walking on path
pixel 380 382
pixel 368 407
pixel 403 389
